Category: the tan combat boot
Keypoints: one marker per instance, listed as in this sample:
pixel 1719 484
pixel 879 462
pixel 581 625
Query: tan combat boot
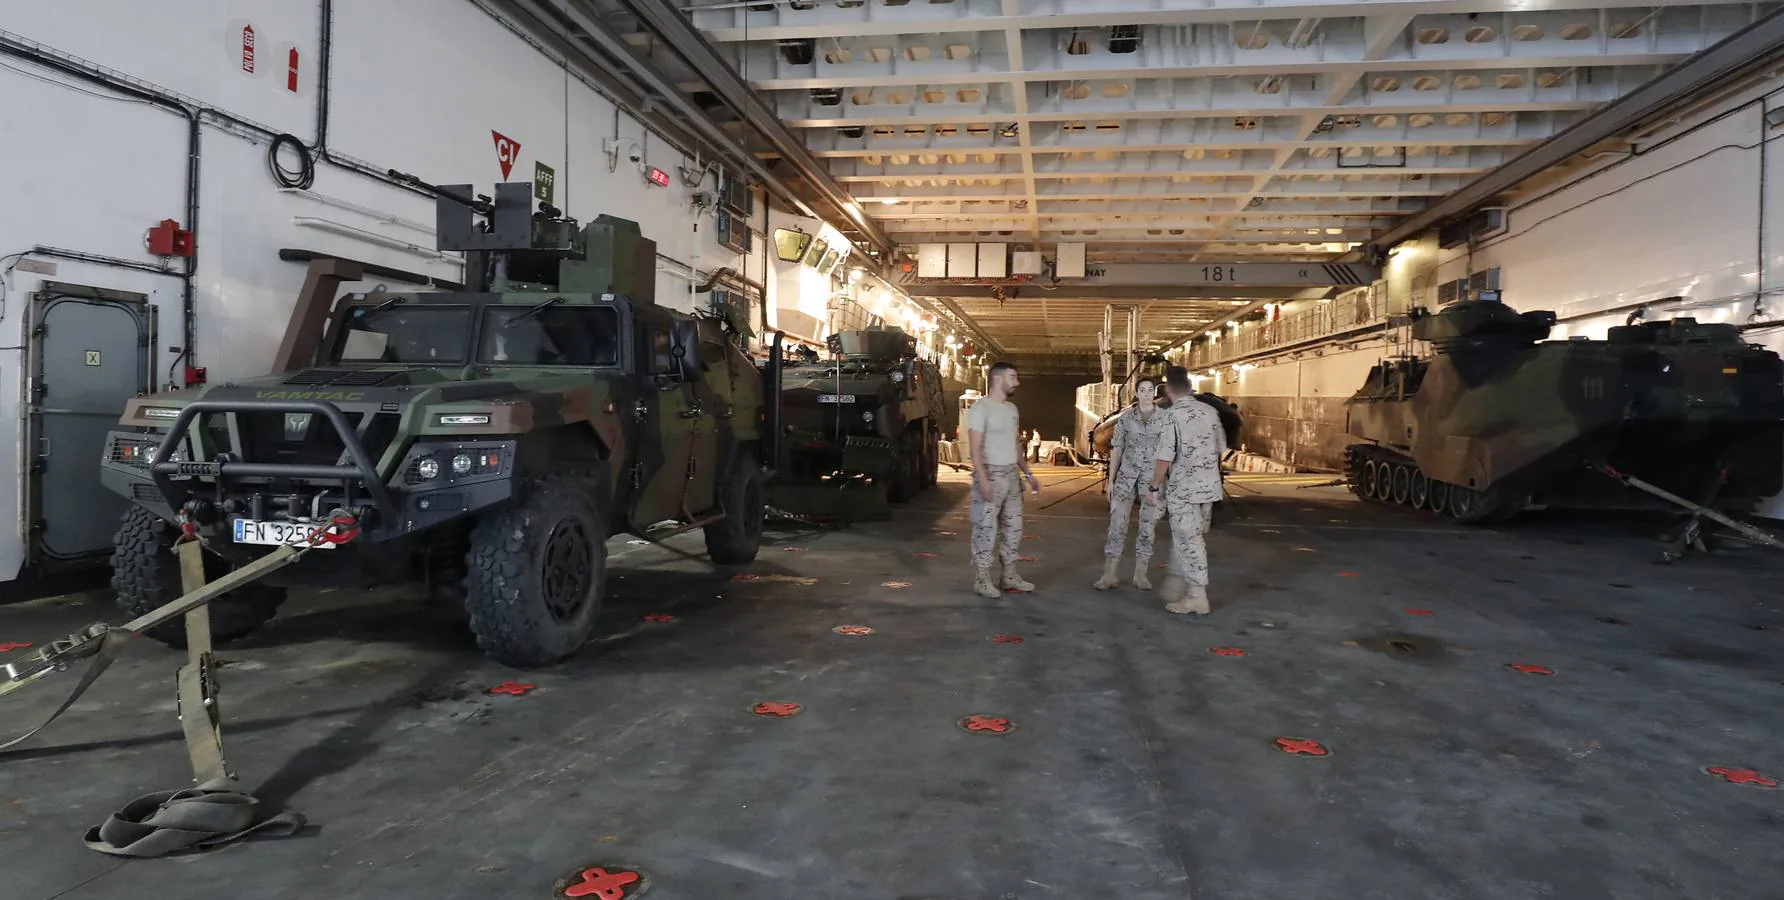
pixel 1140 579
pixel 984 586
pixel 1013 581
pixel 1110 578
pixel 1195 601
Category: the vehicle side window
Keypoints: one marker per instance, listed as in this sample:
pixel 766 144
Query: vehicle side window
pixel 662 361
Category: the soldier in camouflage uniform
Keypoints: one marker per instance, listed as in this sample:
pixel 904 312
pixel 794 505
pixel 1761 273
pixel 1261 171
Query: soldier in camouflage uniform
pixel 999 463
pixel 1190 452
pixel 1131 452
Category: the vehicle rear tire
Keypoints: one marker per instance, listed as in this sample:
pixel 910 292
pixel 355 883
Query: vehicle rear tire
pixel 907 469
pixel 735 539
pixel 146 575
pixel 537 573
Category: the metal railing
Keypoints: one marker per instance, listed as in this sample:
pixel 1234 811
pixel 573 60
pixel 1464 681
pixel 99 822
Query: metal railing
pixel 1349 311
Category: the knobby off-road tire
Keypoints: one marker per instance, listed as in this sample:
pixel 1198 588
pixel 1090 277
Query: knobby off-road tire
pixel 146 575
pixel 907 469
pixel 735 539
pixel 537 573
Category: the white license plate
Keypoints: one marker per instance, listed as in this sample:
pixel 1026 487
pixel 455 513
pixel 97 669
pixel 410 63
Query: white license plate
pixel 275 534
pixel 836 398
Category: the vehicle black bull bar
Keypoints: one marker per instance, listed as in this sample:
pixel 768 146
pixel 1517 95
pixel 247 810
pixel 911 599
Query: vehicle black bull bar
pixel 362 469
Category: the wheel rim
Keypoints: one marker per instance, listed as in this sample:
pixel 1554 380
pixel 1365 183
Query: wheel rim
pixel 1462 500
pixel 1402 483
pixel 1421 490
pixel 568 570
pixel 1439 496
pixel 1368 482
pixel 1384 481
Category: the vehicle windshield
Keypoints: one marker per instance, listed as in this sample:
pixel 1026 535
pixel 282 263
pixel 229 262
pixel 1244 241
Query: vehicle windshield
pixel 557 335
pixel 404 333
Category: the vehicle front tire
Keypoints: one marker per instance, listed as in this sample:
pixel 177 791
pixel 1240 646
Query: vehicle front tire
pixel 537 573
pixel 907 474
pixel 735 539
pixel 146 576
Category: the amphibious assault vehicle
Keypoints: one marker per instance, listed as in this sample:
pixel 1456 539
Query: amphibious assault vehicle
pixel 1498 419
pixel 860 429
pixel 488 439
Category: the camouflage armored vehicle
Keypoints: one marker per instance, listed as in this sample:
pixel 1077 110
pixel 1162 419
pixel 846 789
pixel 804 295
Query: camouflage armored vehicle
pixel 1499 419
pixel 490 438
pixel 872 412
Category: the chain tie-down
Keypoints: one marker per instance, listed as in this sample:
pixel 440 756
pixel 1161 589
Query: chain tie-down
pixel 208 815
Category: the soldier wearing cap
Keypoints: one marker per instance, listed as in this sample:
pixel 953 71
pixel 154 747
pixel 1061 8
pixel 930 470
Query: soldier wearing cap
pixel 1186 478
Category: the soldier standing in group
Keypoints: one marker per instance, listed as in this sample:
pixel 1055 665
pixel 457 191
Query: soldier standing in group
pixel 993 425
pixel 1131 461
pixel 1190 451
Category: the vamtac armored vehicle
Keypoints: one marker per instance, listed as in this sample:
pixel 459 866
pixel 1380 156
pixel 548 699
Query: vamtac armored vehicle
pixel 870 417
pixel 492 437
pixel 1499 419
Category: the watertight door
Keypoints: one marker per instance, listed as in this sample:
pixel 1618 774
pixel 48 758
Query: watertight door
pixel 89 352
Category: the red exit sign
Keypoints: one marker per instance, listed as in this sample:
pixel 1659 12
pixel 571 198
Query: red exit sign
pixel 658 177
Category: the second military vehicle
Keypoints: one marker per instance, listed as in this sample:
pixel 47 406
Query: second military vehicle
pixel 492 437
pixel 872 414
pixel 1499 419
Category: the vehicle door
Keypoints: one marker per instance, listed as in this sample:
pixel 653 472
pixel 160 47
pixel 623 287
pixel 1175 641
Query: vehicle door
pixel 664 433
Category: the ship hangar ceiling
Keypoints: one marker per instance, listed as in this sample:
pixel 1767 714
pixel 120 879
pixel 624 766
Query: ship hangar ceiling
pixel 1166 136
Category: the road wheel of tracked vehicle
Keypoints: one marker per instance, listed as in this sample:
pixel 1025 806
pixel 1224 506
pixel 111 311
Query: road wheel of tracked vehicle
pixel 1439 502
pixel 146 575
pixel 907 469
pixel 1402 486
pixel 1365 483
pixel 1384 481
pixel 538 568
pixel 735 539
pixel 1419 496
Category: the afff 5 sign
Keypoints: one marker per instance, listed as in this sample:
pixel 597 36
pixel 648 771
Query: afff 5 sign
pixel 507 152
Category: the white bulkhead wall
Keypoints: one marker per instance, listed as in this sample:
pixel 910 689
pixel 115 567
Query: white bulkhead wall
pixel 420 86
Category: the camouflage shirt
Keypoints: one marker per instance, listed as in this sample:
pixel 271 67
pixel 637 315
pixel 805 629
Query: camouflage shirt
pixel 1138 441
pixel 1193 443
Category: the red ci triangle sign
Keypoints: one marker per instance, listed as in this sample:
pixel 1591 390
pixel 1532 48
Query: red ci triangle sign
pixel 507 151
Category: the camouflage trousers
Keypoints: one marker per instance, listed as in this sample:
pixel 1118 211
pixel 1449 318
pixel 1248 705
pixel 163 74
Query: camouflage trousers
pixel 1189 550
pixel 1004 508
pixel 1122 498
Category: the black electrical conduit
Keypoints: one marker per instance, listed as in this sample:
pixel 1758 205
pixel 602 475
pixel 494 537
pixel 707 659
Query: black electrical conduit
pixel 194 115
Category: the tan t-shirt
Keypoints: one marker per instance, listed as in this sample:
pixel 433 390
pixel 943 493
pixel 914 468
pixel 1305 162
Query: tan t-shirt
pixel 999 422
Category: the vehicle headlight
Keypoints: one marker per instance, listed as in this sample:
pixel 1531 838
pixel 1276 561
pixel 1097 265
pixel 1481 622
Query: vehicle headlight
pixel 428 468
pixel 867 416
pixel 897 377
pixel 461 464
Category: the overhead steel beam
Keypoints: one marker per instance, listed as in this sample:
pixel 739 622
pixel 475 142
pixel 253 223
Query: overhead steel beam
pixel 1100 293
pixel 668 23
pixel 650 82
pixel 1747 51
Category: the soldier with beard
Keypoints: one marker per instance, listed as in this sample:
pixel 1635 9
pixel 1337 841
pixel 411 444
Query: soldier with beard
pixel 993 424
